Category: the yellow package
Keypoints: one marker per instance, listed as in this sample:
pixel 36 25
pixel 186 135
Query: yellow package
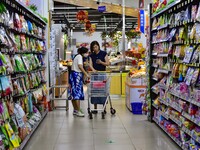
pixel 13 138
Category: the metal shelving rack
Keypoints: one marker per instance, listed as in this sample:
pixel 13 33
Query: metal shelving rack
pixel 175 7
pixel 21 9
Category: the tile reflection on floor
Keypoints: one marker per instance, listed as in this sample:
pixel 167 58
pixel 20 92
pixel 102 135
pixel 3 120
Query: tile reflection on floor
pixel 60 130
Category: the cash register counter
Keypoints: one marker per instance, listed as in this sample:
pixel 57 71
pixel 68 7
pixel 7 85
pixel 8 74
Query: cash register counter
pixel 118 81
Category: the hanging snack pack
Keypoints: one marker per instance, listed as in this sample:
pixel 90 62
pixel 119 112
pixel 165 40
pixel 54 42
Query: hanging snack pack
pixel 38 46
pixel 19 64
pixel 2 63
pixel 17 89
pixel 5 86
pixel 26 81
pixel 35 29
pixel 16 21
pixel 197 32
pixel 28 44
pixel 188 54
pixel 198 14
pixel 37 62
pixel 195 76
pixel 5 114
pixel 195 56
pixel 26 62
pixel 24 24
pixel 13 138
pixel 193 32
pixel 4 39
pixel 30 103
pixel 18 42
pixel 189 76
pixel 194 12
pixel 32 45
pixel 30 27
pixel 41 59
pixel 8 65
pixel 23 42
pixel 11 21
pixel 20 115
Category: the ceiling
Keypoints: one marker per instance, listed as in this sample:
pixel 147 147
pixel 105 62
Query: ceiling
pixel 104 21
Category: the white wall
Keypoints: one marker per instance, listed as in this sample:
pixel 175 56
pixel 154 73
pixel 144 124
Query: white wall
pixel 81 37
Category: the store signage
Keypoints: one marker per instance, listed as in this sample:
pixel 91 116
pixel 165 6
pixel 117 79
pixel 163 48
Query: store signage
pixel 142 21
pixel 141 3
pixel 102 8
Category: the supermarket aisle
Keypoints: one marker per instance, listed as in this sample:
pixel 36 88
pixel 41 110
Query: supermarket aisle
pixel 61 130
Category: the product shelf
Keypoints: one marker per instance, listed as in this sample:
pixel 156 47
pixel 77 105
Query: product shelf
pixel 190 100
pixel 154 54
pixel 22 9
pixel 154 78
pixel 23 144
pixel 162 86
pixel 170 33
pixel 154 105
pixel 155 66
pixel 160 27
pixel 197 139
pixel 27 43
pixel 167 8
pixel 160 41
pixel 162 55
pixel 154 91
pixel 177 108
pixel 178 122
pixel 188 64
pixel 166 116
pixel 192 119
pixel 165 71
pixel 21 95
pixel 15 31
pixel 179 24
pixel 173 138
pixel 163 101
pixel 188 42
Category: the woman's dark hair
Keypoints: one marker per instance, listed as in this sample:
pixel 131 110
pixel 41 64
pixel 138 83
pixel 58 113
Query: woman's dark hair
pixel 82 50
pixel 92 45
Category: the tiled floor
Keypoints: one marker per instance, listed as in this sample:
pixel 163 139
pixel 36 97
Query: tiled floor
pixel 60 130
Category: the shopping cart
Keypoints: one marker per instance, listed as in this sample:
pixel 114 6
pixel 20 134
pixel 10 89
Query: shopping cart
pixel 99 92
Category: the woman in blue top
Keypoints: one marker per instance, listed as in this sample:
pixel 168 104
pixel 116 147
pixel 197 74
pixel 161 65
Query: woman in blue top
pixel 99 61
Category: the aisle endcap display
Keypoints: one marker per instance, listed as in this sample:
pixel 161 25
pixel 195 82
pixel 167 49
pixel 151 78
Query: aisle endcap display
pixel 136 89
pixel 174 71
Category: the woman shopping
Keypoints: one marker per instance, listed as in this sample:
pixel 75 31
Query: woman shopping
pixel 99 61
pixel 76 81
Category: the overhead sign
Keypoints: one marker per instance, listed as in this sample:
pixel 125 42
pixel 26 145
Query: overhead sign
pixel 141 3
pixel 142 21
pixel 101 8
